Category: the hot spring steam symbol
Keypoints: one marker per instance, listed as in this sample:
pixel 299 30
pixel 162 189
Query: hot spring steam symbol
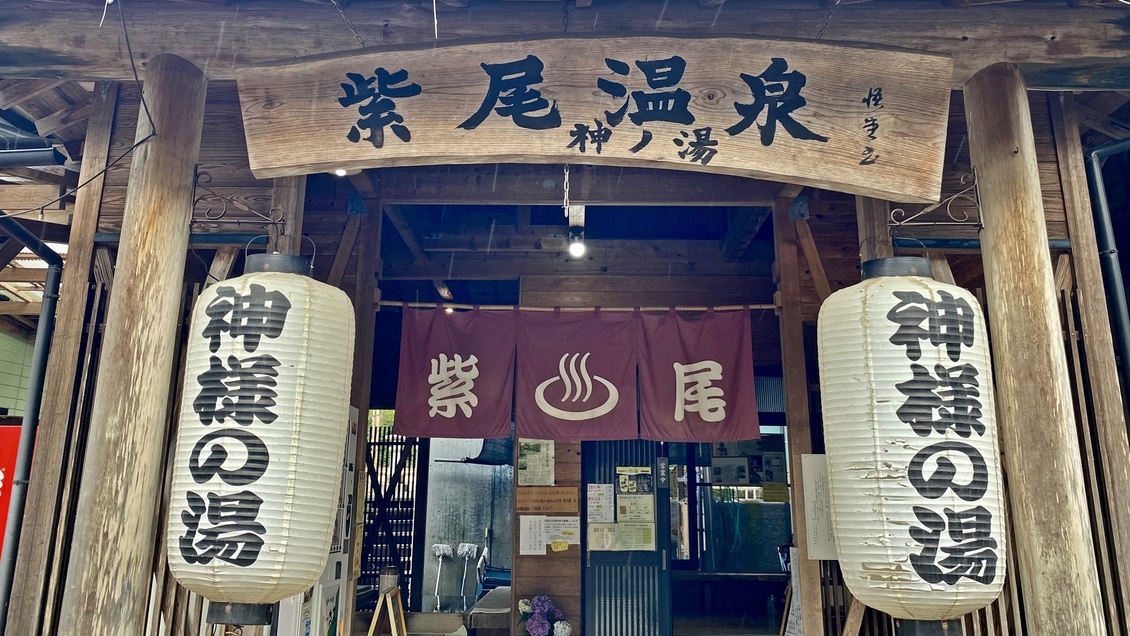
pixel 577 386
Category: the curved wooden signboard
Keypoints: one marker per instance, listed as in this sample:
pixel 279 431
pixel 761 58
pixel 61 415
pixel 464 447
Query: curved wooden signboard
pixel 864 121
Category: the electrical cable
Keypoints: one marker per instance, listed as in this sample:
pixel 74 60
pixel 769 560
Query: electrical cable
pixel 144 106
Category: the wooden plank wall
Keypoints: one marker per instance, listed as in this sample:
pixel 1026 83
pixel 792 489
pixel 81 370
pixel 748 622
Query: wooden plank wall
pixel 557 574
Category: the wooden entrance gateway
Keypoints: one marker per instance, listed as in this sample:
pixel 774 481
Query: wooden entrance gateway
pixel 472 199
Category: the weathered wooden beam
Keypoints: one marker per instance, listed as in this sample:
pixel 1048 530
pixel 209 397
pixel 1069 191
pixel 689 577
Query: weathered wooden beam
pixel 22 275
pixel 796 411
pixel 1098 341
pixel 17 308
pixel 872 217
pixel 644 291
pixel 1099 122
pixel 345 247
pixel 812 257
pixel 222 262
pixel 31 174
pixel 408 228
pixel 108 577
pixel 40 37
pixel 46 522
pixel 73 114
pixel 511 184
pixel 644 258
pixel 501 238
pixel 366 295
pixel 1037 420
pixel 940 268
pixel 288 200
pixel 854 620
pixel 744 224
pixel 20 92
pixel 20 197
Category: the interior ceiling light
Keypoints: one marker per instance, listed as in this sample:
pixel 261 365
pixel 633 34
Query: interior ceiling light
pixel 576 216
pixel 576 242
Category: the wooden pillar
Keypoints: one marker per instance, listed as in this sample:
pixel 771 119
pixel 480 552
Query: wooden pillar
pixel 107 588
pixel 365 298
pixel 44 517
pixel 872 218
pixel 1102 369
pixel 288 201
pixel 1034 404
pixel 796 410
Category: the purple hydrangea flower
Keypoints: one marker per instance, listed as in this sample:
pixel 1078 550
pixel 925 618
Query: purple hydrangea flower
pixel 541 606
pixel 558 615
pixel 537 625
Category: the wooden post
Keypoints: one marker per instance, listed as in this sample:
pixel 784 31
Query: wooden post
pixel 37 564
pixel 365 297
pixel 1102 370
pixel 288 200
pixel 872 218
pixel 107 589
pixel 796 410
pixel 1034 404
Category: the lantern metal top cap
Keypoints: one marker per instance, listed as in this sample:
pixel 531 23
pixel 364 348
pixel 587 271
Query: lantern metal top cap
pixel 897 266
pixel 282 263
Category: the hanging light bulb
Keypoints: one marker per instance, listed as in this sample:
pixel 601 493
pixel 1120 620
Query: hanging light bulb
pixel 576 242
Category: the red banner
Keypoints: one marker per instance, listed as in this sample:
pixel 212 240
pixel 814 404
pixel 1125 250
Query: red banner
pixel 9 443
pixel 577 375
pixel 456 374
pixel 696 378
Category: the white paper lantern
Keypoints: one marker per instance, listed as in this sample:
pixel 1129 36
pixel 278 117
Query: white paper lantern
pixel 262 433
pixel 911 441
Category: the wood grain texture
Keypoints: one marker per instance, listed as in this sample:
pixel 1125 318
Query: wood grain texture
pixel 1036 415
pixel 111 559
pixel 41 38
pixel 34 567
pixel 1098 342
pixel 872 217
pixel 19 197
pixel 796 411
pixel 288 202
pixel 295 123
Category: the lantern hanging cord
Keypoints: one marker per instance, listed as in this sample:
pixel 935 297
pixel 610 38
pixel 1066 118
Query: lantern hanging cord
pixel 145 107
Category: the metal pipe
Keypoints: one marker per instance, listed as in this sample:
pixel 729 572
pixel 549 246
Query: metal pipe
pixel 1108 251
pixel 31 157
pixel 30 422
pixel 962 243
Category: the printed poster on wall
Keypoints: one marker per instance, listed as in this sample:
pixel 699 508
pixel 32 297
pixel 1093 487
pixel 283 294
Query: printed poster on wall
pixel 577 375
pixel 536 462
pixel 696 377
pixel 456 374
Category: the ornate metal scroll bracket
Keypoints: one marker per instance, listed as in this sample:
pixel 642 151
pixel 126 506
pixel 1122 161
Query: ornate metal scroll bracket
pixel 955 217
pixel 218 206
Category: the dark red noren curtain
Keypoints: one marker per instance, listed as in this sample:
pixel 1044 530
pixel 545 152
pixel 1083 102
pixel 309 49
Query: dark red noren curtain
pixel 577 375
pixel 696 378
pixel 456 374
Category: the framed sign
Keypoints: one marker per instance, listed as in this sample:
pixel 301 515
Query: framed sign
pixel 857 120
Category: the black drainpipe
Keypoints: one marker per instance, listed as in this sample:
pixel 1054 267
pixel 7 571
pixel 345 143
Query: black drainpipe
pixel 1108 251
pixel 43 335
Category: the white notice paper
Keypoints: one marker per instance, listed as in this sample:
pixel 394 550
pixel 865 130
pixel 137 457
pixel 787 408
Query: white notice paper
pixel 818 508
pixel 793 626
pixel 602 536
pixel 600 504
pixel 639 508
pixel 531 537
pixel 635 536
pixel 567 529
